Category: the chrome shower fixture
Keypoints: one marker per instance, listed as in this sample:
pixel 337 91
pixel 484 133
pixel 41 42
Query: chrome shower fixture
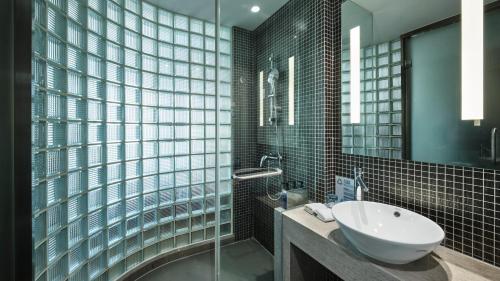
pixel 272 79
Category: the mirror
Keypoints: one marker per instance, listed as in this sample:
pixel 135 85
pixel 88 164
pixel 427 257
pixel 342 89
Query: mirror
pixel 421 80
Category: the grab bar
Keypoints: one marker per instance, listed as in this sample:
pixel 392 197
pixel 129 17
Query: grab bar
pixel 255 173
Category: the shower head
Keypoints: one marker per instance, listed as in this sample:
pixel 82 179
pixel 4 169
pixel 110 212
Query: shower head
pixel 274 75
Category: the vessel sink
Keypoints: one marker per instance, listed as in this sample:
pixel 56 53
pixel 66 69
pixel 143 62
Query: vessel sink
pixel 387 233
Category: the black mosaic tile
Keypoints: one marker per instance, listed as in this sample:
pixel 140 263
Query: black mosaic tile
pixel 294 30
pixel 244 129
pixel 462 200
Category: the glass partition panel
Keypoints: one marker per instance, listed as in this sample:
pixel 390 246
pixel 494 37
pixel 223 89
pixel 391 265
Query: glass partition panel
pixel 124 143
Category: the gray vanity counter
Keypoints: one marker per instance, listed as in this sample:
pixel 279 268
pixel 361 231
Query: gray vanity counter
pixel 325 243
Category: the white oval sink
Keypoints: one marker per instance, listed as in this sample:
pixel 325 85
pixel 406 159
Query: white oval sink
pixel 387 233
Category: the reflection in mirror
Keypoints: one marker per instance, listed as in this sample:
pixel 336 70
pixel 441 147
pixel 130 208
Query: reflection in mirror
pixel 421 81
pixel 379 63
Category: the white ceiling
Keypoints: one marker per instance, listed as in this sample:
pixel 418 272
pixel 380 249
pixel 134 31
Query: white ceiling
pixel 391 18
pixel 233 12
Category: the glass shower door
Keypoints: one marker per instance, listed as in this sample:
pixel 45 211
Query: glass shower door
pixel 224 208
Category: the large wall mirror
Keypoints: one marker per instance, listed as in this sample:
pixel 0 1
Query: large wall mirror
pixel 421 80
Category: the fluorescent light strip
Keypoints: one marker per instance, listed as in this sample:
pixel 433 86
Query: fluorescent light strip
pixel 472 59
pixel 355 85
pixel 261 98
pixel 291 90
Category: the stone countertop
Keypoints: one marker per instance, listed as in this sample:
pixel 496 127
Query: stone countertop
pixel 325 243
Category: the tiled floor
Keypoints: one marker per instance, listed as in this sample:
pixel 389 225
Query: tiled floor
pixel 242 261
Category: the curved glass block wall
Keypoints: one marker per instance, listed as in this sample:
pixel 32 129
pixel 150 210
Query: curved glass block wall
pixel 123 125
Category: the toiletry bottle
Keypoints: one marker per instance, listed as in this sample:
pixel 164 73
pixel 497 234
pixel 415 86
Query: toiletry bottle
pixel 331 199
pixel 284 198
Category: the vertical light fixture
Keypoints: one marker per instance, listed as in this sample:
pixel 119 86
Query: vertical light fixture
pixel 291 90
pixel 261 98
pixel 472 59
pixel 355 85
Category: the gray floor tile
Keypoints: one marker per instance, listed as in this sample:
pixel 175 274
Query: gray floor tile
pixel 242 261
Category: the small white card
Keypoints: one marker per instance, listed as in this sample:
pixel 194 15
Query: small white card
pixel 344 188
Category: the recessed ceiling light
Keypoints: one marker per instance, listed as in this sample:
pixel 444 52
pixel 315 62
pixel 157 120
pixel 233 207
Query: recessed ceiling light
pixel 255 9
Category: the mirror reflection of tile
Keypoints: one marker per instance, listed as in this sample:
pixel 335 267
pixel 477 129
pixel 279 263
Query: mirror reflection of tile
pixel 380 132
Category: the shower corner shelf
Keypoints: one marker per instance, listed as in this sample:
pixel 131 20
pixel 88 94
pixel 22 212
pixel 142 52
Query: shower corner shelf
pixel 255 173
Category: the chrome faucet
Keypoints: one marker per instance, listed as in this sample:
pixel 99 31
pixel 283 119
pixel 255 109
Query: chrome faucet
pixel 359 182
pixel 494 145
pixel 262 160
pixel 270 157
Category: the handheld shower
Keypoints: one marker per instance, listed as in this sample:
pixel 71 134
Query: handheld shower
pixel 272 79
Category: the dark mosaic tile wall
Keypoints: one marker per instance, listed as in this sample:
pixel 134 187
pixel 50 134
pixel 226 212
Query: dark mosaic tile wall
pixel 263 211
pixel 244 120
pixel 463 201
pixel 294 30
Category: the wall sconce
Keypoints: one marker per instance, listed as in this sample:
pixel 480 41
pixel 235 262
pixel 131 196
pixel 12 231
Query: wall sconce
pixel 355 85
pixel 291 90
pixel 261 98
pixel 472 60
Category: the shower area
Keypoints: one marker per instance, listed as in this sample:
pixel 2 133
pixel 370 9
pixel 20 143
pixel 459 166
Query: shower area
pixel 142 113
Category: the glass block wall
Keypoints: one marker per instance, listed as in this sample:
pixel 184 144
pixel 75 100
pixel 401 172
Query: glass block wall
pixel 123 125
pixel 380 131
